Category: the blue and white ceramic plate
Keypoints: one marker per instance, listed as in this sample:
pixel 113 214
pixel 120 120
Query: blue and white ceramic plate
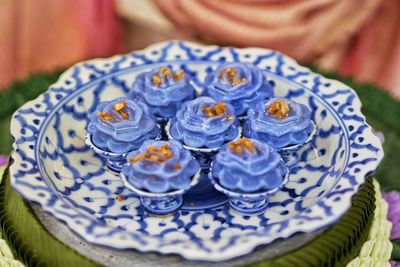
pixel 56 170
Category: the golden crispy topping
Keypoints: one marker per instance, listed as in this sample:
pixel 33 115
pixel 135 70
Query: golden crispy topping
pixel 179 75
pixel 105 116
pixel 154 157
pixel 240 145
pixel 167 153
pixel 239 81
pixel 231 76
pixel 120 198
pixel 220 108
pixel 154 154
pixel 164 71
pixel 279 109
pixel 156 80
pixel 152 149
pixel 137 158
pixel 239 150
pixel 119 106
pixel 215 110
pixel 232 145
pixel 177 166
pixel 248 145
pixel 124 115
pixel 231 72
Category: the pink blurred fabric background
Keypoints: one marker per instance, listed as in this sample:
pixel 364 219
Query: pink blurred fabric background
pixel 42 35
pixel 359 38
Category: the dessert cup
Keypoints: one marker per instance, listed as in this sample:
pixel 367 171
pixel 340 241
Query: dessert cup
pixel 204 188
pixel 117 127
pixel 115 161
pixel 247 203
pixel 290 154
pixel 160 172
pixel 282 124
pixel 242 85
pixel 160 203
pixel 163 90
pixel 248 172
pixel 202 126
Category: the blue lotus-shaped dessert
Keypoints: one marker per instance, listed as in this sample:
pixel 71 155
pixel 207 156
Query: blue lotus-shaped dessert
pixel 204 123
pixel 160 167
pixel 242 85
pixel 163 90
pixel 248 171
pixel 248 166
pixel 279 122
pixel 121 125
pixel 283 124
pixel 160 172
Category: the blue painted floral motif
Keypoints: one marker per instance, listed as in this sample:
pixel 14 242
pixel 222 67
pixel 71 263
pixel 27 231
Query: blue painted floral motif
pixel 170 170
pixel 241 84
pixel 112 132
pixel 279 132
pixel 248 166
pixel 195 127
pixel 163 90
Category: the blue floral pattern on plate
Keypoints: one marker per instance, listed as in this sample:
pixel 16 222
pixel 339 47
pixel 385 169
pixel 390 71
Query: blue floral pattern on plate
pixel 55 169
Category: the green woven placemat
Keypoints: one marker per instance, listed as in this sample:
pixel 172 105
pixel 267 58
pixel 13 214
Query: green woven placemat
pixel 28 239
pixel 376 251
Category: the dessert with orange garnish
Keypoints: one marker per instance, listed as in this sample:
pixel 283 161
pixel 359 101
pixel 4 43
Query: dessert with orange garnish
pixel 242 85
pixel 248 171
pixel 204 123
pixel 281 123
pixel 160 172
pixel 164 90
pixel 120 126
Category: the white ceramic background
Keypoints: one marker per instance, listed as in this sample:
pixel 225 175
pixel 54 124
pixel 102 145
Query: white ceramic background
pixel 55 169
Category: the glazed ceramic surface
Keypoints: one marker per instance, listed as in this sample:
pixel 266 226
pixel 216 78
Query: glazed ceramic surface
pixel 56 170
